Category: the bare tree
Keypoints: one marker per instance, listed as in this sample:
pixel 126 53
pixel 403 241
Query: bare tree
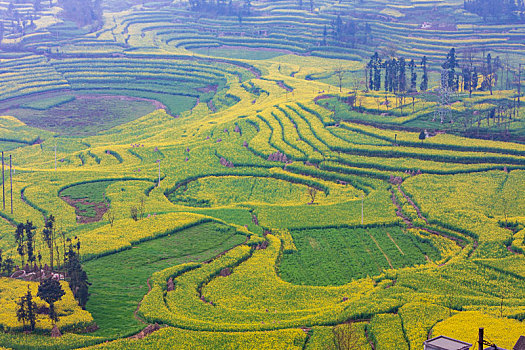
pixel 134 213
pixel 340 72
pixel 110 216
pixel 345 337
pixel 142 207
pixel 313 193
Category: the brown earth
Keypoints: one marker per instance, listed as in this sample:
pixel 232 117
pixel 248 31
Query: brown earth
pixel 100 209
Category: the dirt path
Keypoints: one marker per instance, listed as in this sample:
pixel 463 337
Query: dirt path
pixel 8 222
pixel 399 212
pixel 398 248
pixel 411 202
pixel 211 106
pixel 140 302
pixel 378 247
pixel 283 86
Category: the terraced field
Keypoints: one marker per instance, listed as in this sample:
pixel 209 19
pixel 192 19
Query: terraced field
pixel 232 177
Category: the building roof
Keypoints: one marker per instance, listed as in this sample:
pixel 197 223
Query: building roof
pixel 520 345
pixel 494 348
pixel 446 343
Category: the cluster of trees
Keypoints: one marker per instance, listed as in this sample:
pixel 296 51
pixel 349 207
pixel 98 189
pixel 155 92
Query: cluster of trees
pixel 348 32
pixel 50 291
pixel 19 22
pixel 25 238
pixel 83 12
pixel 497 10
pixel 472 71
pixel 136 212
pixel 222 7
pixel 395 74
pixel 6 266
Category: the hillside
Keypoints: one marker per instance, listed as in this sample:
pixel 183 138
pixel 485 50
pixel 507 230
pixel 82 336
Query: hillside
pixel 264 174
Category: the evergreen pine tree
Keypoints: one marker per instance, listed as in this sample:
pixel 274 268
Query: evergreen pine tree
pixel 20 241
pixel 77 277
pixel 450 65
pixel 402 75
pixel 30 239
pixel 26 311
pixel 424 80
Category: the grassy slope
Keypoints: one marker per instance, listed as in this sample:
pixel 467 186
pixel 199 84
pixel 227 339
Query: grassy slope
pixel 119 280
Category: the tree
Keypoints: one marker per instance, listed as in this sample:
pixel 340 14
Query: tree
pixel 142 208
pixel 83 12
pixel 51 291
pixel 488 74
pixel 497 65
pixel 30 240
pixel 110 216
pixel 48 236
pixel 374 65
pixel 6 266
pixel 422 135
pixel 340 72
pixel 77 277
pixel 313 193
pixel 413 76
pixel 451 62
pixel 402 80
pixel 26 311
pixel 424 81
pixel 475 79
pixel 134 213
pixel 467 79
pixel 345 337
pixel 20 241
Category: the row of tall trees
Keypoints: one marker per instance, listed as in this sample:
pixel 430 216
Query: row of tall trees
pixel 399 76
pixel 222 7
pixel 395 74
pixel 467 75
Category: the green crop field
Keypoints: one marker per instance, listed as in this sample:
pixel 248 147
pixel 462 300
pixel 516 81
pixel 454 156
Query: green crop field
pixel 262 174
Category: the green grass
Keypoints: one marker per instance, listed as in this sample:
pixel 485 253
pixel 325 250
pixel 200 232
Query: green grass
pixel 49 102
pixel 119 280
pixel 92 191
pixel 338 256
pixel 239 52
pixel 237 216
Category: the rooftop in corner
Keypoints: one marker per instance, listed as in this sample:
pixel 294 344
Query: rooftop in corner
pixel 520 344
pixel 445 343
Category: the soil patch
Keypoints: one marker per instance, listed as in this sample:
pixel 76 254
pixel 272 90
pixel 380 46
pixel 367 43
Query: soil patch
pixel 83 206
pixel 86 114
pixel 209 88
